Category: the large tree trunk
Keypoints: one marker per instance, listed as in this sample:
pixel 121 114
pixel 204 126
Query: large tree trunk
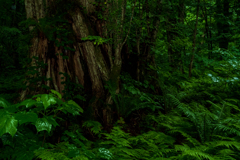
pixel 88 65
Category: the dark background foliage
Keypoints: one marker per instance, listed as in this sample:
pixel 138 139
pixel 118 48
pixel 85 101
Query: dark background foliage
pixel 191 117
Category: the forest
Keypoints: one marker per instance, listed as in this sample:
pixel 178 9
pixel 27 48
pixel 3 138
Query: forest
pixel 119 79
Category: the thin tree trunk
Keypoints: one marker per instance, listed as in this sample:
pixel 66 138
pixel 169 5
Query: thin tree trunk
pixel 174 52
pixel 207 28
pixel 194 41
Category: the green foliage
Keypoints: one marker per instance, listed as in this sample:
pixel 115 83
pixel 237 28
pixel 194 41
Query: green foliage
pixel 12 120
pixel 131 98
pixel 43 102
pixel 97 39
pixel 147 146
pixel 192 118
pixel 96 126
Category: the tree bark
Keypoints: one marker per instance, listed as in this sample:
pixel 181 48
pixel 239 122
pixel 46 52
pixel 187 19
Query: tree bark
pixel 89 65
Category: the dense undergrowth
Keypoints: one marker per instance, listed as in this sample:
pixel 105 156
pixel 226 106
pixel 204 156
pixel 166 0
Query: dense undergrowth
pixel 193 119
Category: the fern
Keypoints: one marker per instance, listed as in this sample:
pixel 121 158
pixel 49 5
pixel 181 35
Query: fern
pixel 96 126
pixel 45 154
pixel 188 152
pixel 149 145
pixel 209 125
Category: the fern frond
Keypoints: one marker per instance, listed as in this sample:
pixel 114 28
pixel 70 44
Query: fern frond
pixel 227 144
pixel 117 137
pixel 226 153
pixel 232 105
pixel 95 126
pixel 44 154
pixel 188 137
pixel 219 137
pixel 227 129
pixel 186 150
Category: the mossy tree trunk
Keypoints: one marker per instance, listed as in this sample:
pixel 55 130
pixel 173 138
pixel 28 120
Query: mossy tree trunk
pixel 88 64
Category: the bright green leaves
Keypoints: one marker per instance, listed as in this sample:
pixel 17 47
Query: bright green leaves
pixel 47 100
pixel 45 124
pixel 24 117
pixel 28 103
pixel 97 39
pixel 57 93
pixel 31 109
pixel 4 103
pixel 73 108
pixel 7 123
